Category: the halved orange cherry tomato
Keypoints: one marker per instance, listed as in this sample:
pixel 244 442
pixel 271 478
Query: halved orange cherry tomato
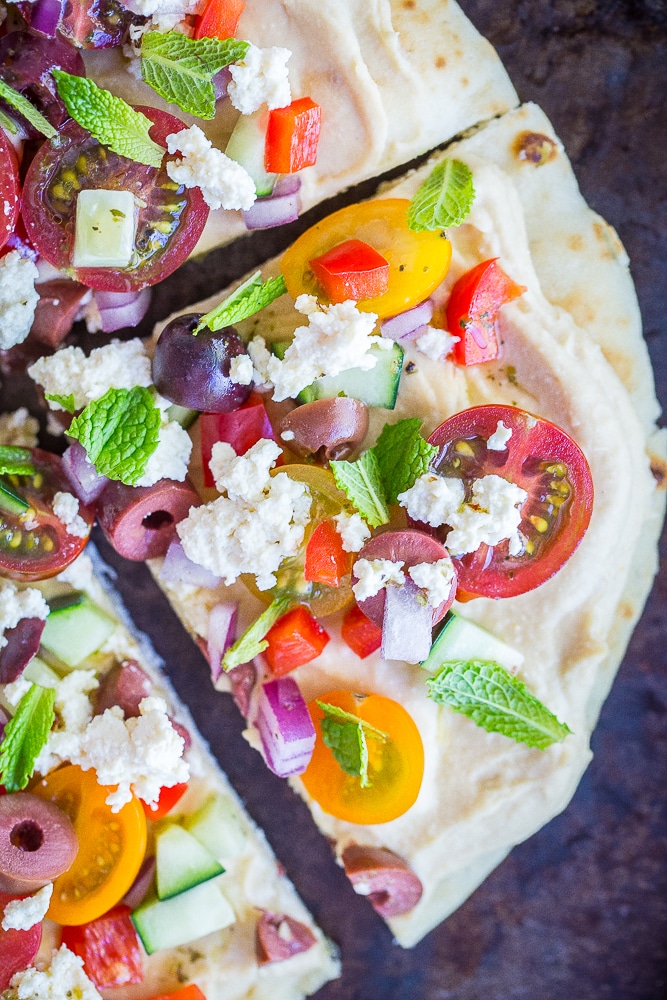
pixel 472 311
pixel 418 262
pixel 219 19
pixel 295 639
pixel 111 845
pixel 395 766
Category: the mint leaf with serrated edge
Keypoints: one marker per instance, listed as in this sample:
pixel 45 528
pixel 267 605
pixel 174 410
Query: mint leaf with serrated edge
pixel 346 736
pixel 15 461
pixel 120 432
pixel 249 298
pixel 361 482
pixel 8 124
pixel 67 402
pixel 25 108
pixel 252 642
pixel 402 455
pixel 444 199
pixel 25 736
pixel 496 701
pixel 109 119
pixel 181 69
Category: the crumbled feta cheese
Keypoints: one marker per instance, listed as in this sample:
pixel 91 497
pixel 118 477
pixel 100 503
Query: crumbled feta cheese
pixel 499 438
pixel 436 344
pixel 17 604
pixel 241 369
pixel 435 578
pixel 256 526
pixel 120 364
pixel 260 356
pixel 261 77
pixel 374 574
pixel 74 711
pixel 338 337
pixel 63 979
pixel 352 529
pixel 15 690
pixel 18 298
pixel 66 509
pixel 22 914
pixel 224 183
pixel 19 428
pixel 171 457
pixel 432 499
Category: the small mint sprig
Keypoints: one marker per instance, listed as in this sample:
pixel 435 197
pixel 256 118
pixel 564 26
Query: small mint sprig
pixel 66 401
pixel 25 736
pixel 120 432
pixel 249 298
pixel 444 199
pixel 496 701
pixel 109 119
pixel 346 735
pixel 181 69
pixel 25 108
pixel 361 481
pixel 253 642
pixel 15 461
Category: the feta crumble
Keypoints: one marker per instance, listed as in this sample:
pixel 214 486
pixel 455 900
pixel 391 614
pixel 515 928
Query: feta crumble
pixel 432 499
pixel 171 458
pixel 18 298
pixel 435 578
pixel 63 979
pixel 74 711
pixel 17 604
pixel 224 183
pixel 261 77
pixel 66 509
pixel 22 914
pixel 118 365
pixel 499 438
pixel 436 344
pixel 353 530
pixel 241 369
pixel 374 574
pixel 19 429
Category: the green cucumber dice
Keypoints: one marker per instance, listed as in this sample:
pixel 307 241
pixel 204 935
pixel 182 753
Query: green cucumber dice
pixel 182 415
pixel 40 673
pixel 181 862
pixel 461 639
pixel 168 923
pixel 377 387
pixel 246 146
pixel 75 628
pixel 217 826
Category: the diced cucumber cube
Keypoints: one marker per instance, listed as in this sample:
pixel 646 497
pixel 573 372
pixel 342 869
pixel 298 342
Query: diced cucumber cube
pixel 75 628
pixel 246 146
pixel 217 826
pixel 181 862
pixel 461 639
pixel 182 415
pixel 105 228
pixel 377 387
pixel 168 923
pixel 40 673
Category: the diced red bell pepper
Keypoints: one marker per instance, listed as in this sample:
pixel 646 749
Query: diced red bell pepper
pixel 219 19
pixel 190 992
pixel 295 639
pixel 109 947
pixel 242 428
pixel 326 561
pixel 167 799
pixel 352 270
pixel 292 135
pixel 472 311
pixel 361 634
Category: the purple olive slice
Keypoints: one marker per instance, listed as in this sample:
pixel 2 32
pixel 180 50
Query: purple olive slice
pixel 126 684
pixel 335 426
pixel 37 842
pixel 140 521
pixel 22 644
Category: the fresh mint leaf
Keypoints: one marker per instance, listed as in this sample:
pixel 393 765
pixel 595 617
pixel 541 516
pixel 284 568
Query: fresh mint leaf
pixel 495 700
pixel 346 736
pixel 361 481
pixel 67 402
pixel 25 736
pixel 252 642
pixel 8 124
pixel 249 298
pixel 25 108
pixel 119 432
pixel 403 456
pixel 444 199
pixel 15 461
pixel 109 119
pixel 181 69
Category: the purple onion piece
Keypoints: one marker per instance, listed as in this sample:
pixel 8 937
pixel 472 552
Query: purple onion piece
pixel 22 645
pixel 407 624
pixel 276 210
pixel 177 568
pixel 45 16
pixel 285 727
pixel 286 184
pixel 119 310
pixel 221 634
pixel 409 324
pixel 220 83
pixel 86 481
pixel 138 891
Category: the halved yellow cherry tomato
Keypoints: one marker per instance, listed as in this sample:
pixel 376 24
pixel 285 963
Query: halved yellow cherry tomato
pixel 395 767
pixel 418 262
pixel 111 845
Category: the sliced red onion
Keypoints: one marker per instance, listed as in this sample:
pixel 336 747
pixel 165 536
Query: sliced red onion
pixel 220 83
pixel 286 184
pixel 276 210
pixel 45 16
pixel 409 324
pixel 138 891
pixel 177 568
pixel 221 634
pixel 122 309
pixel 285 727
pixel 407 623
pixel 86 481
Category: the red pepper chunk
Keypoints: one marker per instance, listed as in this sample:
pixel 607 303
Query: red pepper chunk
pixel 167 799
pixel 361 634
pixel 326 561
pixel 352 270
pixel 292 136
pixel 472 311
pixel 109 947
pixel 191 992
pixel 219 19
pixel 295 639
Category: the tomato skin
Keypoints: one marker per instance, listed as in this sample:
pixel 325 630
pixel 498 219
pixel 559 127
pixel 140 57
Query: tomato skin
pixel 395 767
pixel 219 19
pixel 17 948
pixel 9 188
pixel 540 458
pixel 292 135
pixel 361 634
pixel 109 947
pixel 168 798
pixel 295 639
pixel 351 270
pixel 326 561
pixel 472 311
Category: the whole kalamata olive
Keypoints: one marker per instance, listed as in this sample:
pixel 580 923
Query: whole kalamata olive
pixel 37 842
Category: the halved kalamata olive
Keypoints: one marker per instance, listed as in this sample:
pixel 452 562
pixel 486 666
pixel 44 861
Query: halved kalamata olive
pixel 58 305
pixel 140 521
pixel 22 645
pixel 243 679
pixel 37 842
pixel 26 61
pixel 124 685
pixel 385 879
pixel 337 426
pixel 279 937
pixel 183 732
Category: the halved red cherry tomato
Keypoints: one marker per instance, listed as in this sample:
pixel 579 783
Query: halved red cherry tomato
pixel 9 188
pixel 292 135
pixel 219 19
pixel 109 947
pixel 472 311
pixel 111 845
pixel 326 561
pixel 351 270
pixel 295 639
pixel 170 218
pixel 34 543
pixel 395 767
pixel 190 992
pixel 418 262
pixel 17 948
pixel 361 634
pixel 543 460
pixel 168 798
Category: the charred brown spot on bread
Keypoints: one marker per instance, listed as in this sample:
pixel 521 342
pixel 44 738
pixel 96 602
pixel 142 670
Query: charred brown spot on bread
pixel 659 470
pixel 440 62
pixel 576 242
pixel 610 245
pixel 626 610
pixel 409 4
pixel 535 148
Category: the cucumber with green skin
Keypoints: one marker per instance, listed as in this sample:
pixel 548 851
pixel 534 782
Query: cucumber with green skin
pixel 181 862
pixel 75 628
pixel 462 639
pixel 168 923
